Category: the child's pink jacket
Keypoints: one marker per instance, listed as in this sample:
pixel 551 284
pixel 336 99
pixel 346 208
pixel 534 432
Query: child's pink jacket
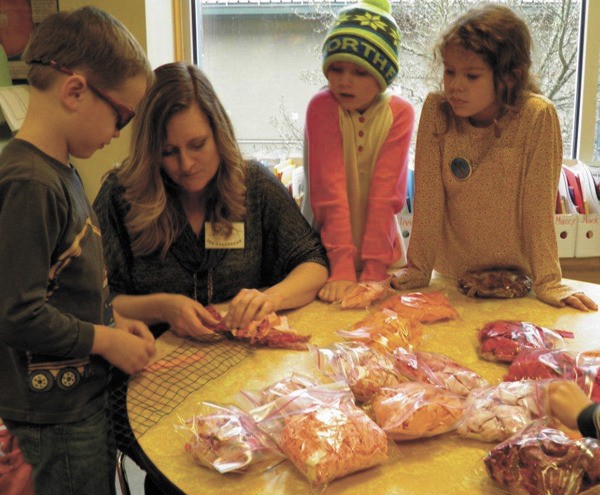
pixel 378 141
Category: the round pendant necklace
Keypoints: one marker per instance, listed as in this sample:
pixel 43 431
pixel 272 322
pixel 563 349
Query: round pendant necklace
pixel 462 168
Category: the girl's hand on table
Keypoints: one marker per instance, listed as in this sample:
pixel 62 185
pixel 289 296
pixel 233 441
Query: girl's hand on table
pixel 336 290
pixel 409 278
pixel 581 302
pixel 249 305
pixel 566 401
pixel 186 317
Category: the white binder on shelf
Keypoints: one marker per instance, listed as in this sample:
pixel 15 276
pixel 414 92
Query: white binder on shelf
pixel 565 226
pixel 588 236
pixel 587 239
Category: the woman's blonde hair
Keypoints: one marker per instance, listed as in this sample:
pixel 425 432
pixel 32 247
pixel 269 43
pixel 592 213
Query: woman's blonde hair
pixel 155 218
pixel 502 40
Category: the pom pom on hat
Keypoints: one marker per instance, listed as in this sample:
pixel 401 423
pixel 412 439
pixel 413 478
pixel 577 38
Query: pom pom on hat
pixel 367 35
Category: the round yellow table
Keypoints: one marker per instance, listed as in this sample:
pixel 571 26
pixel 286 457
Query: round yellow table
pixel 443 465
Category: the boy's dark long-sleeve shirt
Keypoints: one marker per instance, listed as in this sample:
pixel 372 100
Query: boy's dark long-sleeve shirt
pixel 51 291
pixel 588 421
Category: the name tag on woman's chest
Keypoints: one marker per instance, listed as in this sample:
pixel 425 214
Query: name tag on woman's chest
pixel 218 240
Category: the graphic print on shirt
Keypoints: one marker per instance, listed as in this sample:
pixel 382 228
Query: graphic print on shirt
pixel 65 258
pixel 44 374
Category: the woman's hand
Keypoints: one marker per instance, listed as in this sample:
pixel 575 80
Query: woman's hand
pixel 566 401
pixel 335 291
pixel 186 317
pixel 249 305
pixel 581 302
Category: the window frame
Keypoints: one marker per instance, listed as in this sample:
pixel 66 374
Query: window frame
pixel 188 18
pixel 588 87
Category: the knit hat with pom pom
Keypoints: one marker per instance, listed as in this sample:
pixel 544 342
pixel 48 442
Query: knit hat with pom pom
pixel 367 35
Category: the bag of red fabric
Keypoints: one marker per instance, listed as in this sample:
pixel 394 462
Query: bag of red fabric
pixel 502 340
pixel 540 364
pixel 543 460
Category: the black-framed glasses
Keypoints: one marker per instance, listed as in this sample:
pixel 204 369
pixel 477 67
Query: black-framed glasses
pixel 124 113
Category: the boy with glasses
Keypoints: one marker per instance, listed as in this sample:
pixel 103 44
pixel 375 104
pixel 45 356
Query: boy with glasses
pixel 87 74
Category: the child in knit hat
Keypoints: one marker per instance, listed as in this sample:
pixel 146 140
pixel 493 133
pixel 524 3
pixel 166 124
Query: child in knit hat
pixel 357 138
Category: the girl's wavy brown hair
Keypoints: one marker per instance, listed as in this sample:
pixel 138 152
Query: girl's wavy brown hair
pixel 502 39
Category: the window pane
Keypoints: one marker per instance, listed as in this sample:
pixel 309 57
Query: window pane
pixel 596 157
pixel 263 57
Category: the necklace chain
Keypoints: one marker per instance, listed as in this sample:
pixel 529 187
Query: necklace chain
pixel 489 139
pixel 462 168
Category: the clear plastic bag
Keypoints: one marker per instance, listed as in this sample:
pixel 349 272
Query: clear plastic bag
pixel 540 364
pixel 364 294
pixel 416 410
pixel 364 369
pixel 542 460
pixel 227 439
pixel 426 307
pixel 495 283
pixel 251 399
pixel 493 414
pixel 438 370
pixel 385 330
pixel 323 433
pixel 502 340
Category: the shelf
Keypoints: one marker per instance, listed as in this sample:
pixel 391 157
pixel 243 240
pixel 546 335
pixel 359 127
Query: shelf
pixel 585 269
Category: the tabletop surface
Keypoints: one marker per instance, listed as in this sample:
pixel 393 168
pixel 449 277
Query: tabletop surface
pixel 440 465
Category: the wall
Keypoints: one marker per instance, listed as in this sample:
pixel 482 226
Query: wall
pixel 150 21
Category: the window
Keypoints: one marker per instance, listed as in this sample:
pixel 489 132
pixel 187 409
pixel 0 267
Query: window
pixel 596 156
pixel 263 57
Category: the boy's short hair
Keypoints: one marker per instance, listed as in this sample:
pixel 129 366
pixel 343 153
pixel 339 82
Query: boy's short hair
pixel 90 41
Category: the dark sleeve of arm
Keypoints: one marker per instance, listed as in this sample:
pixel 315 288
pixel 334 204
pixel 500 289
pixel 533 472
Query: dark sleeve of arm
pixel 115 239
pixel 288 239
pixel 588 421
pixel 32 222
